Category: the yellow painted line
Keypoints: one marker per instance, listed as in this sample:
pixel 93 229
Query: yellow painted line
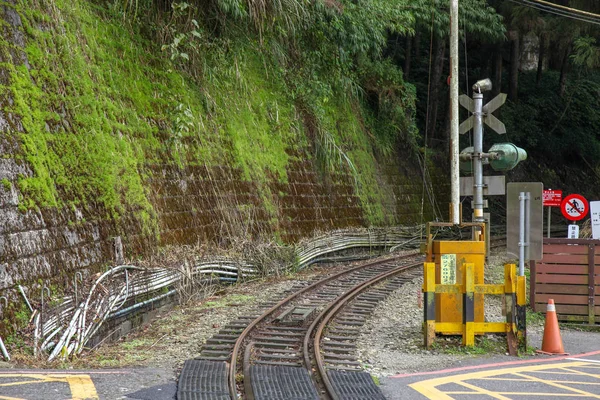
pixel 556 372
pixel 23 383
pixel 561 395
pixel 81 386
pixel 428 388
pixel 10 398
pixel 557 385
pixel 522 394
pixel 583 373
pixel 479 390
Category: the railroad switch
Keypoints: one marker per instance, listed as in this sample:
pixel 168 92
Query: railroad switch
pixel 294 316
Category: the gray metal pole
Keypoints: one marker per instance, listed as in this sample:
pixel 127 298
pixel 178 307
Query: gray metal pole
pixel 454 172
pixel 527 227
pixel 521 233
pixel 549 214
pixel 477 159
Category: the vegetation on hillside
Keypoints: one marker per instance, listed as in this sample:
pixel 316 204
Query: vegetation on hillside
pixel 114 86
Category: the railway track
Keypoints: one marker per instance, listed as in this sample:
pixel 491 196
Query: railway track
pixel 272 355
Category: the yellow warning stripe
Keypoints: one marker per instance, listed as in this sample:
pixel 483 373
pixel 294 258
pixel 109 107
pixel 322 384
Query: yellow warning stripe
pixel 597 376
pixel 81 386
pixel 428 388
pixel 559 386
pixel 479 390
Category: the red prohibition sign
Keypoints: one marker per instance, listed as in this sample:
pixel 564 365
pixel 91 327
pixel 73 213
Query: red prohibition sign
pixel 574 207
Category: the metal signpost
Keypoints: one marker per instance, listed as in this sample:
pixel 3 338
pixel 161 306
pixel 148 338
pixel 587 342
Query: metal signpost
pixel 551 198
pixel 533 228
pixel 481 114
pixel 501 156
pixel 525 214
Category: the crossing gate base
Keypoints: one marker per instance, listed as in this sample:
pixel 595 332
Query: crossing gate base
pixel 513 291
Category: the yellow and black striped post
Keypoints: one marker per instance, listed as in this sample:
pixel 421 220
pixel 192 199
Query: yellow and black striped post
pixel 469 305
pixel 522 312
pixel 510 300
pixel 429 300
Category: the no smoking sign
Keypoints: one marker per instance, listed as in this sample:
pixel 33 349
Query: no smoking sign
pixel 574 207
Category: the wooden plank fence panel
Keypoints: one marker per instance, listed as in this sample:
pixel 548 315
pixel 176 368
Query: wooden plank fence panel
pixel 569 309
pixel 564 279
pixel 562 289
pixel 564 249
pixel 576 259
pixel 561 298
pixel 568 275
pixel 542 267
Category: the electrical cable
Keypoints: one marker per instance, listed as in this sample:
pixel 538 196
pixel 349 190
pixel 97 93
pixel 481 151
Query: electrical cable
pixel 565 8
pixel 552 10
pixel 424 166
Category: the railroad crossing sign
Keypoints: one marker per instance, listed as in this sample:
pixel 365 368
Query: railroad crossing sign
pixel 487 116
pixel 574 207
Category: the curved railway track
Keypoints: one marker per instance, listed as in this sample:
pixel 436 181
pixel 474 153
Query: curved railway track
pixel 272 355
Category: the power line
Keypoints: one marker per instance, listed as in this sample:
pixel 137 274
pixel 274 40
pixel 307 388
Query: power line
pixel 566 9
pixel 592 19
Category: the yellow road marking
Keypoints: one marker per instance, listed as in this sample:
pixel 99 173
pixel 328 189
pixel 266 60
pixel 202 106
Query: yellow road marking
pixel 479 390
pixel 10 398
pixel 583 373
pixel 428 388
pixel 81 386
pixel 23 382
pixel 557 385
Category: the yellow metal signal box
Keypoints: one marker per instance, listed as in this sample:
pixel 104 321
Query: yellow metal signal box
pixel 450 258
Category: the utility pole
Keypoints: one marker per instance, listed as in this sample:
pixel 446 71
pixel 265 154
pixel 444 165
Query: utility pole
pixel 454 161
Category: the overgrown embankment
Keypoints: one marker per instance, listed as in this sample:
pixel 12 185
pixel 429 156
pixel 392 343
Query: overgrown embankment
pixel 169 130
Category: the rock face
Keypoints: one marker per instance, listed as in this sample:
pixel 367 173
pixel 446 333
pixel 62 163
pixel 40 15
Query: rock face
pixel 184 201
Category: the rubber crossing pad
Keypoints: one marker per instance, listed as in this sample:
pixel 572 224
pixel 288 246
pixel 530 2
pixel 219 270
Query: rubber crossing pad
pixel 271 382
pixel 203 380
pixel 354 385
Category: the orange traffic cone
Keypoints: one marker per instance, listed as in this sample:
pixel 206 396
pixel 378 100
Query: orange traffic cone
pixel 552 342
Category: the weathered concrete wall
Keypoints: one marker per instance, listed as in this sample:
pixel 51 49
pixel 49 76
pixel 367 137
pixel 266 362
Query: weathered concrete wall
pixel 192 203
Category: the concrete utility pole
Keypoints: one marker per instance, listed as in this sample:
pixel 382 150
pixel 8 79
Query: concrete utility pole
pixel 454 162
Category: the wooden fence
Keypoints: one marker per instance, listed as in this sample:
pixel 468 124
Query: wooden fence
pixel 568 274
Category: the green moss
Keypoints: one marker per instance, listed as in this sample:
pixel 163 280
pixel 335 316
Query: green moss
pixel 6 184
pixel 100 104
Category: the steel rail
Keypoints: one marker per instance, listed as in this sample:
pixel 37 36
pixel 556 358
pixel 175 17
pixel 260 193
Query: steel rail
pixel 239 342
pixel 328 314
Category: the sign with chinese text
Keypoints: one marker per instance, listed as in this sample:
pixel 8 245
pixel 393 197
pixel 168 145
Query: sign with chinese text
pixel 448 269
pixel 552 198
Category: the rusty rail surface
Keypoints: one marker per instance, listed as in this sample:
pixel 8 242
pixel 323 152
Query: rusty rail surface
pixel 320 323
pixel 370 269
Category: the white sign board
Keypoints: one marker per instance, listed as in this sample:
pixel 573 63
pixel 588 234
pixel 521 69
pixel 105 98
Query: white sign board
pixel 573 232
pixel 595 216
pixel 492 185
pixel 448 269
